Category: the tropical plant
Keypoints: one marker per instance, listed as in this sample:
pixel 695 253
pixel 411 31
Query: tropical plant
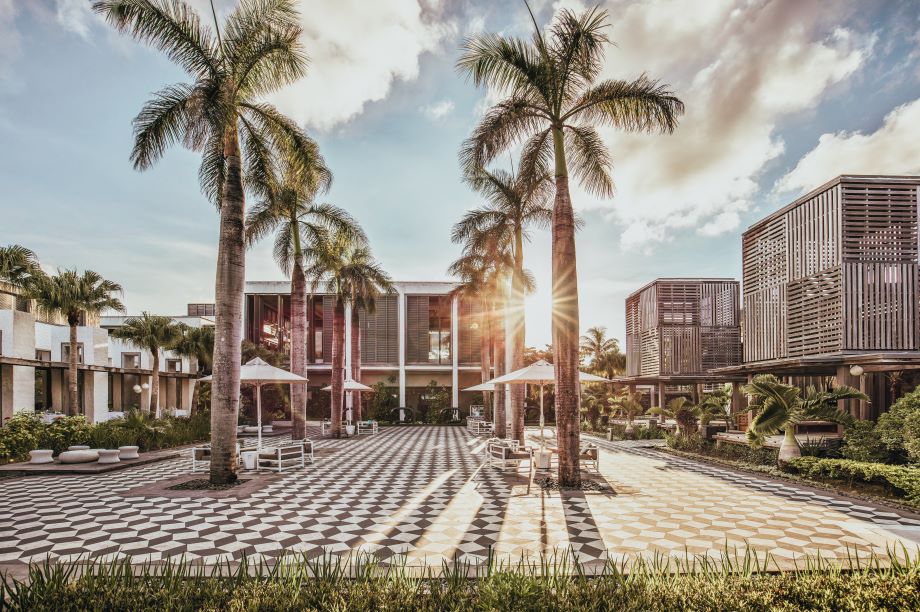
pixel 17 265
pixel 152 333
pixel 553 103
pixel 344 267
pixel 899 429
pixel 197 344
pixel 780 407
pixel 628 404
pixel 72 295
pixel 516 203
pixel 300 224
pixel 682 410
pixel 221 114
pixel 603 353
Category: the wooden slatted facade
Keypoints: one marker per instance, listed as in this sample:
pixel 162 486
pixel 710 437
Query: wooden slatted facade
pixel 470 345
pixel 682 327
pixel 380 332
pixel 835 272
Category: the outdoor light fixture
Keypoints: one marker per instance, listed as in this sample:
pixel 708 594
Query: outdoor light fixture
pixel 137 388
pixel 856 370
pixel 145 386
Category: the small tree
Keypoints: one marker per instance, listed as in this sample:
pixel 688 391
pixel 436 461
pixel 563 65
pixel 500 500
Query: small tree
pixel 152 333
pixel 629 404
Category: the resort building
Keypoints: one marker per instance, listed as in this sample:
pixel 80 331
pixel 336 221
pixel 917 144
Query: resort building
pixel 831 288
pixel 114 376
pixel 418 340
pixel 677 331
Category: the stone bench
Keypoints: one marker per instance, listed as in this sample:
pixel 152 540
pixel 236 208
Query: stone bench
pixel 41 456
pixel 79 456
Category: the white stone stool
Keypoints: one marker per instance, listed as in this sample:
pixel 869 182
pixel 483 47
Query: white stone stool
pixel 77 447
pixel 41 456
pixel 108 456
pixel 78 456
pixel 128 452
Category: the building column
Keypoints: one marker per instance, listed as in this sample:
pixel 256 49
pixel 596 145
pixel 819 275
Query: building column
pixel 401 326
pixel 736 399
pixel 455 352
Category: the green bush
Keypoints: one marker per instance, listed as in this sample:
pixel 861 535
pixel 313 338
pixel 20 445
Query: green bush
pixel 898 480
pixel 640 432
pixel 899 429
pixel 326 584
pixel 862 443
pixel 26 432
pixel 723 450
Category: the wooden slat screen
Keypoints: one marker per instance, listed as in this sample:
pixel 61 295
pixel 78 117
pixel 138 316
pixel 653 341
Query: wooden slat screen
pixel 681 352
pixel 380 332
pixel 470 331
pixel 328 315
pixel 814 314
pixel 417 329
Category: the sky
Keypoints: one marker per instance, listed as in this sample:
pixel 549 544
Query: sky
pixel 781 96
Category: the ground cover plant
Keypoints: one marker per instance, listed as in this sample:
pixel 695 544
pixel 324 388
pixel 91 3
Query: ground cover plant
pixel 26 432
pixel 745 581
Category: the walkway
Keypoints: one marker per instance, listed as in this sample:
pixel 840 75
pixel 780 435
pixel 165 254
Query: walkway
pixel 424 492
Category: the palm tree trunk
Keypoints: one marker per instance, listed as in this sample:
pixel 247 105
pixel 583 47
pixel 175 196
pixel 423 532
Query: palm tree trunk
pixel 228 323
pixel 485 350
pixel 518 334
pixel 565 322
pixel 338 367
pixel 155 384
pixel 73 389
pixel 298 350
pixel 356 361
pixel 499 340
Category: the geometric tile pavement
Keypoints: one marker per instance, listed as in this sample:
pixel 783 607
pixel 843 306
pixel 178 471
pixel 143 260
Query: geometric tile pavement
pixel 427 493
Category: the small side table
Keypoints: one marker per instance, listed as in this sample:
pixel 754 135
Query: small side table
pixel 250 459
pixel 542 460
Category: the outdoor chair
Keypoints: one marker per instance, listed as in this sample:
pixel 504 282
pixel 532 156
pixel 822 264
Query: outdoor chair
pixel 514 444
pixel 503 456
pixel 368 427
pixel 202 454
pixel 282 457
pixel 308 450
pixel 325 425
pixel 589 458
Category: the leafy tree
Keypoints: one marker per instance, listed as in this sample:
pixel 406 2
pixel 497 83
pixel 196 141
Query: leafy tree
pixel 18 265
pixel 72 295
pixel 219 112
pixel 152 333
pixel 899 429
pixel 553 102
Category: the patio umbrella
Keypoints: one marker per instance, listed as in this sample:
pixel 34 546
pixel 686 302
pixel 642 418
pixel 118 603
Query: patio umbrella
pixel 257 373
pixel 350 385
pixel 486 386
pixel 541 373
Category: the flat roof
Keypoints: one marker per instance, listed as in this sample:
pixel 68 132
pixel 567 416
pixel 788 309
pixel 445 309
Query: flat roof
pixel 871 361
pixel 843 178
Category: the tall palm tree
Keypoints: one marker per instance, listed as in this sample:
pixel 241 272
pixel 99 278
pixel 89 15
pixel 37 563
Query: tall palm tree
pixel 344 267
pixel 603 353
pixel 780 407
pixel 69 294
pixel 196 343
pixel 553 104
pixel 17 265
pixel 516 203
pixel 221 114
pixel 300 224
pixel 152 333
pixel 473 286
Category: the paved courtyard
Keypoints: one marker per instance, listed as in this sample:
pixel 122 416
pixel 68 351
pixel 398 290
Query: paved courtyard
pixel 426 492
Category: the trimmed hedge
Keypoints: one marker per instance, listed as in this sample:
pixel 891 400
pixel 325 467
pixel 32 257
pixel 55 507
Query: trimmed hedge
pixel 900 480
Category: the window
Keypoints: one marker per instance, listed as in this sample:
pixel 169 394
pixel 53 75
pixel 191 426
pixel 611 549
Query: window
pixel 201 310
pixel 173 365
pixel 428 326
pixel 131 360
pixel 41 355
pixel 65 352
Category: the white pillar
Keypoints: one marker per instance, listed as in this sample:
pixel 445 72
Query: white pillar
pixel 401 326
pixel 454 352
pixel 348 332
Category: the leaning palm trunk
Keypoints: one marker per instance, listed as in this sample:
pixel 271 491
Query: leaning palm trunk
pixel 155 384
pixel 565 326
pixel 499 339
pixel 73 388
pixel 231 272
pixel 789 449
pixel 298 350
pixel 485 352
pixel 518 334
pixel 356 361
pixel 338 367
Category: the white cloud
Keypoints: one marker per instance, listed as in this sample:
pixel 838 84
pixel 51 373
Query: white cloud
pixel 357 50
pixel 892 149
pixel 740 67
pixel 10 40
pixel 438 110
pixel 75 16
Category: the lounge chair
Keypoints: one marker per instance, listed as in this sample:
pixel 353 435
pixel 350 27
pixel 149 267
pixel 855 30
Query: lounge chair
pixel 368 427
pixel 202 454
pixel 503 456
pixel 589 458
pixel 282 457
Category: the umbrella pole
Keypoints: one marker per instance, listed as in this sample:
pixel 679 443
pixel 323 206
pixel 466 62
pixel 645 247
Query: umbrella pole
pixel 542 438
pixel 259 413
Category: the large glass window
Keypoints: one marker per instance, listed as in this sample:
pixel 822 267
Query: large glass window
pixel 439 330
pixel 316 322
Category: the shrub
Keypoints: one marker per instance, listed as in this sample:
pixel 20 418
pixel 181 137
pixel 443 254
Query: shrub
pixel 723 450
pixel 899 429
pixel 640 432
pixel 862 443
pixel 899 480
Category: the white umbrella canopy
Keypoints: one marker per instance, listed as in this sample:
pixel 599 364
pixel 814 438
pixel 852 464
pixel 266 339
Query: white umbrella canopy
pixel 486 386
pixel 258 372
pixel 350 385
pixel 542 373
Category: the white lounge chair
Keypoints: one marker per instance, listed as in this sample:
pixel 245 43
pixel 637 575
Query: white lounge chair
pixel 282 457
pixel 503 456
pixel 590 458
pixel 368 427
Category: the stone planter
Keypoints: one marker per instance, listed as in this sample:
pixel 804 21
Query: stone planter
pixel 108 456
pixel 789 449
pixel 128 452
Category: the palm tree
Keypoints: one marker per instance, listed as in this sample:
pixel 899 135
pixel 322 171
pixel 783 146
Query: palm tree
pixel 630 405
pixel 69 294
pixel 781 407
pixel 221 114
pixel 553 103
pixel 683 411
pixel 196 343
pixel 17 265
pixel 473 286
pixel 343 266
pixel 153 333
pixel 290 210
pixel 516 202
pixel 595 345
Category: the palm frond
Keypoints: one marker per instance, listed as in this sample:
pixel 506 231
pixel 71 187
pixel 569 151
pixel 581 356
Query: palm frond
pixel 162 122
pixel 641 105
pixel 589 160
pixel 503 125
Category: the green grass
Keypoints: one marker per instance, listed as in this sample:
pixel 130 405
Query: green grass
pixel 744 582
